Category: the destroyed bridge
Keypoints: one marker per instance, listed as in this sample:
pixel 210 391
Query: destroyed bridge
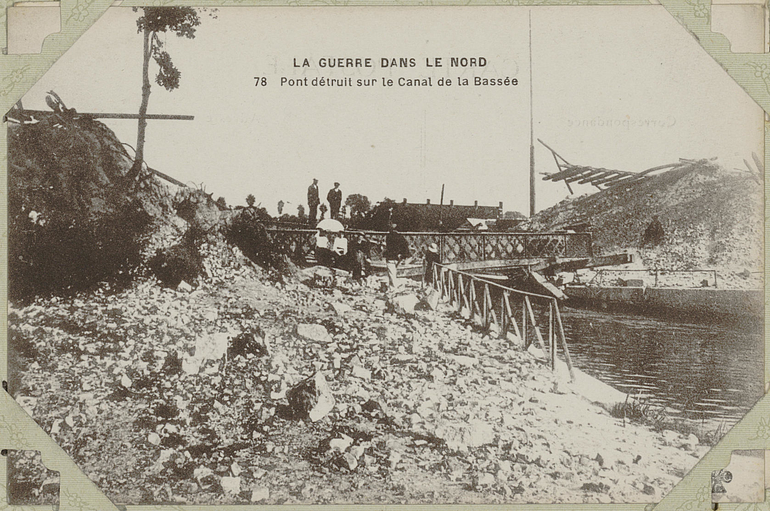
pixel 469 251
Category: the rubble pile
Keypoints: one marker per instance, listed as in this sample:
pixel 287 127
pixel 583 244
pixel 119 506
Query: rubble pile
pixel 236 389
pixel 711 218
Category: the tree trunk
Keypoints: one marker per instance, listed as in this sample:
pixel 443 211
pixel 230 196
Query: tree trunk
pixel 136 169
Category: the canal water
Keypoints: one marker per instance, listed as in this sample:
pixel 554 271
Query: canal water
pixel 711 373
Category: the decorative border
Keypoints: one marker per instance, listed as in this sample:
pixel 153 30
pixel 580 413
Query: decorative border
pixel 19 72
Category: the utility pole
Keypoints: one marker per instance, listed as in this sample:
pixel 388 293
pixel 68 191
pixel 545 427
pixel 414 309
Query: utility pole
pixel 531 130
pixel 441 209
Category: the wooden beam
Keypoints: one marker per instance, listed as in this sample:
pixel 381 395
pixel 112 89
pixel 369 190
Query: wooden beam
pixel 107 115
pixel 587 173
pixel 571 171
pixel 550 288
pixel 609 179
pixel 166 177
pixel 153 117
pixel 554 152
pixel 615 180
pixel 598 176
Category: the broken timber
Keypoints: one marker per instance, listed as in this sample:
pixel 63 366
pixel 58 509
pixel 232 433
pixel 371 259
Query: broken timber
pixel 108 115
pixel 599 177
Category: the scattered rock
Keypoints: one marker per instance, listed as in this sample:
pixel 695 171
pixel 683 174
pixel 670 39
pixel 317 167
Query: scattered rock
pixel 403 304
pixel 361 372
pixel 311 398
pixel 153 438
pixel 260 494
pixel 349 461
pixel 341 308
pixel 462 437
pixel 430 299
pixel 465 361
pixel 314 332
pixel 248 342
pixel 595 487
pixel 211 347
pixel 340 444
pixel 485 479
pixel 231 485
pixel 184 287
pixel 536 352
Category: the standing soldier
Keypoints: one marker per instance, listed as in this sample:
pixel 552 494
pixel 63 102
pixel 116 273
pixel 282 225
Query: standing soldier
pixel 313 201
pixel 334 197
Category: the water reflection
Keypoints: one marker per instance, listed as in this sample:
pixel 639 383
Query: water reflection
pixel 705 372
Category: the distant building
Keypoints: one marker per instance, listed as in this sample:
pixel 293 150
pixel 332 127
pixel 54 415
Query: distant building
pixel 415 217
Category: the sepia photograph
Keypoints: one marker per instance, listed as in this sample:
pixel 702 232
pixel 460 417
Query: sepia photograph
pixel 384 255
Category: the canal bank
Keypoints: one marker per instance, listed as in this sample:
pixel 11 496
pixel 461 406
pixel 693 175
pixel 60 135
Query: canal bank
pixel 694 301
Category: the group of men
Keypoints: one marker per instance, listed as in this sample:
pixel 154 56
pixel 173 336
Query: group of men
pixel 396 246
pixel 334 198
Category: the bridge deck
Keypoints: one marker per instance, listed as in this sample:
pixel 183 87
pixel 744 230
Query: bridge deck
pixel 457 247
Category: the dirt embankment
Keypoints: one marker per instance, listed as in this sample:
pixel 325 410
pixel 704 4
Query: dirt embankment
pixel 76 220
pixel 428 409
pixel 712 218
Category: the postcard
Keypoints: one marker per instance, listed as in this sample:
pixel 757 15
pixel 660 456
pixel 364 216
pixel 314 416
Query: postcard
pixel 394 255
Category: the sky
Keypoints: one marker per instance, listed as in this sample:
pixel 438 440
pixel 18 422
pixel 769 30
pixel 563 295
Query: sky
pixel 623 87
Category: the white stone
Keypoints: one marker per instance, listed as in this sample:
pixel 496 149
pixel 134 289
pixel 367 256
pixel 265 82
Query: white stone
pixel 340 444
pixel 361 372
pixel 231 485
pixel 259 494
pixel 314 332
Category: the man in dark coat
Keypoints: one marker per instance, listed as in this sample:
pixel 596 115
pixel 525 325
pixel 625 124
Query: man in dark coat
pixel 396 250
pixel 313 201
pixel 334 197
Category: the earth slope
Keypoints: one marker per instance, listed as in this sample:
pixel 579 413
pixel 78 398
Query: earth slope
pixel 712 218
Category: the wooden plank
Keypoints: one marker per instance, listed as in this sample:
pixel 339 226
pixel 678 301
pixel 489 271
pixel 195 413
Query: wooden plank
pixel 564 347
pixel 509 313
pixel 524 326
pixel 492 310
pixel 538 335
pixel 551 337
pixel 149 117
pixel 465 294
pixel 107 115
pixel 550 288
pixel 484 307
pixel 166 177
pixel 491 314
pixel 474 300
pixel 571 171
pixel 503 317
pixel 584 175
pixel 598 175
